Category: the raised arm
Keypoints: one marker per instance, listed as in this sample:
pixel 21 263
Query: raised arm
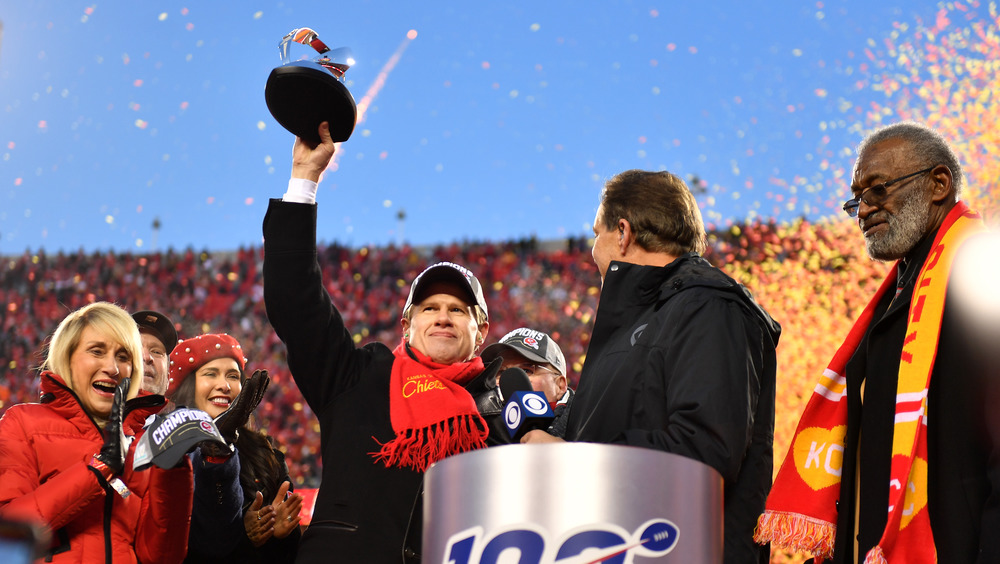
pixel 298 306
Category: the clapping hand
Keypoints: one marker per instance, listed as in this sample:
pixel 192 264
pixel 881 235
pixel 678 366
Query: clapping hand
pixel 287 508
pixel 259 521
pixel 245 403
pixel 230 420
pixel 276 520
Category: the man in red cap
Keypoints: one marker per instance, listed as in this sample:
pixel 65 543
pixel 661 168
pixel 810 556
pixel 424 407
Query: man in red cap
pixel 385 414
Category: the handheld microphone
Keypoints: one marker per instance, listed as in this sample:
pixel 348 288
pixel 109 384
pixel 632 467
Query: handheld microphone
pixel 525 409
pixel 513 380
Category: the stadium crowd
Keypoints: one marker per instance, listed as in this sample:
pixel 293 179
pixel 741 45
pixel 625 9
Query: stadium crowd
pixel 222 292
pixel 813 277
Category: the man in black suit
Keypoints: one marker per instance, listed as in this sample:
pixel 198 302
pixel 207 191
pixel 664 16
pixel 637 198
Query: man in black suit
pixel 385 413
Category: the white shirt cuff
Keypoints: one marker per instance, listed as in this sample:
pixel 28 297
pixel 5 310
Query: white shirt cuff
pixel 301 191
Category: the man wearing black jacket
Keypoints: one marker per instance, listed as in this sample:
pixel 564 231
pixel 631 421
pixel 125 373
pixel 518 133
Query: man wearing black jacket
pixel 681 359
pixel 385 413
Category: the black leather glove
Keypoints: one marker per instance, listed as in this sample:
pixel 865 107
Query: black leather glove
pixel 112 454
pixel 245 403
pixel 230 421
pixel 142 402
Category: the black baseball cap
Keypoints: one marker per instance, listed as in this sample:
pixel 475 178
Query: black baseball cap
pixel 159 326
pixel 169 437
pixel 533 345
pixel 447 272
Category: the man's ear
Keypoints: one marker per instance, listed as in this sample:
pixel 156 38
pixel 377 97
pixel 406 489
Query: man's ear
pixel 944 184
pixel 406 328
pixel 625 236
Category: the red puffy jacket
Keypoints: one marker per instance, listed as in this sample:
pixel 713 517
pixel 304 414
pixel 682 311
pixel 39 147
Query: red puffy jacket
pixel 44 478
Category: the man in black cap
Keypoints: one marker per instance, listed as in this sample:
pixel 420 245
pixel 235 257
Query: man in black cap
pixel 542 360
pixel 385 412
pixel 158 338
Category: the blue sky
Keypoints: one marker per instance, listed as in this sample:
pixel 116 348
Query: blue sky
pixel 498 121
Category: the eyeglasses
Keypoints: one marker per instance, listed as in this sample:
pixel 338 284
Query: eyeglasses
pixel 533 369
pixel 878 193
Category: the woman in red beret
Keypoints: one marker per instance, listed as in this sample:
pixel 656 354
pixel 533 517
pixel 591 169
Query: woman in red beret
pixel 207 373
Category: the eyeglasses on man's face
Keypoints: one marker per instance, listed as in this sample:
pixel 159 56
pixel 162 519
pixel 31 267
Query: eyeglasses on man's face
pixel 536 369
pixel 876 194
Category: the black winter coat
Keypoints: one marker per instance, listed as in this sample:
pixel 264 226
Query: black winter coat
pixel 682 360
pixel 363 509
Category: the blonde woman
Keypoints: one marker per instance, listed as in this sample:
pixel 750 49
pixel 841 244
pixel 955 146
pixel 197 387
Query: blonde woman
pixel 63 462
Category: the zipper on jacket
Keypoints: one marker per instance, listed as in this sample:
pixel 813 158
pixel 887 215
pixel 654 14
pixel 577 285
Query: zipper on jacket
pixel 109 501
pixel 109 493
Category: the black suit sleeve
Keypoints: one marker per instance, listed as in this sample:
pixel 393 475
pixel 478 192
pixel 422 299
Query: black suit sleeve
pixel 321 353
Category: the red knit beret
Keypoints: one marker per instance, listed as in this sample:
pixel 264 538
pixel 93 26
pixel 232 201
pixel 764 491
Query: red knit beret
pixel 191 354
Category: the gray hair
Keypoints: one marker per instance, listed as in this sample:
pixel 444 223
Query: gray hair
pixel 929 146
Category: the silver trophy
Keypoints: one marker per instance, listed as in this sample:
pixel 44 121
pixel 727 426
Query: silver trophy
pixel 303 93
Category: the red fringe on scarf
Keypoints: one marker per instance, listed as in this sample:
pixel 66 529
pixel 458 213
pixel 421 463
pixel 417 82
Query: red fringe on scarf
pixel 875 556
pixel 797 532
pixel 419 448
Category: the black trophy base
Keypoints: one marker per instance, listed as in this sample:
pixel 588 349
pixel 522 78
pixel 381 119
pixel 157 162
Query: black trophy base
pixel 301 96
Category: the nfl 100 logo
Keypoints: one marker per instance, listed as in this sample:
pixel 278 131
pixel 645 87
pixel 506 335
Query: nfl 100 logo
pixel 530 544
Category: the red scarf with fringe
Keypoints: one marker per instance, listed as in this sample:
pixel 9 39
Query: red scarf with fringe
pixel 432 414
pixel 801 511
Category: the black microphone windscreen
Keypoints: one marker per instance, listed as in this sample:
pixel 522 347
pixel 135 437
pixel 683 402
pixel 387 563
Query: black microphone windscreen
pixel 514 380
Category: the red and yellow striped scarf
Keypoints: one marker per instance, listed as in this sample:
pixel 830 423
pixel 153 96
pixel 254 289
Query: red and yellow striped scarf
pixel 801 510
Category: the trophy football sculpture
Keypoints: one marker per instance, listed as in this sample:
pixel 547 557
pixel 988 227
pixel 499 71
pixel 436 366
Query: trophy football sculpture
pixel 303 93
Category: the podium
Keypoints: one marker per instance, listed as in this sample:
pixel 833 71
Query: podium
pixel 571 503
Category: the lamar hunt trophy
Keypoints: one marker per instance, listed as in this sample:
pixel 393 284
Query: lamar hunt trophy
pixel 302 94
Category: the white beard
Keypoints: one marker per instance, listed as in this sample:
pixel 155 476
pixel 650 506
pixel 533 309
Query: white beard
pixel 905 229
